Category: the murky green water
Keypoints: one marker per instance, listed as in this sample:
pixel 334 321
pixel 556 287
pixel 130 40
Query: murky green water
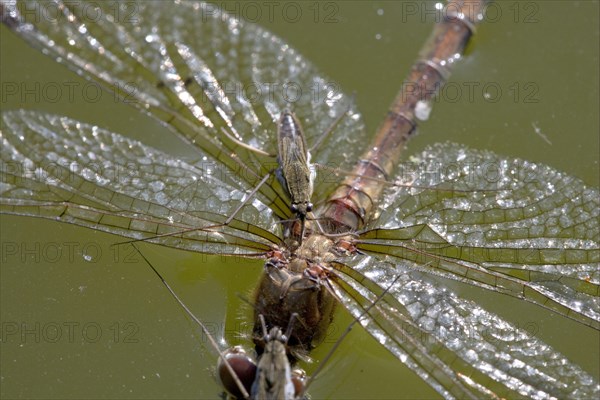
pixel 108 329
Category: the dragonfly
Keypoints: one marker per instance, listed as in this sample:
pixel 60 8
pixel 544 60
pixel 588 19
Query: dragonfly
pixel 265 140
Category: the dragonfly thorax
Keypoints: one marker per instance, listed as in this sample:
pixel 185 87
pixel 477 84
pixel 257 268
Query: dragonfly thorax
pixel 317 248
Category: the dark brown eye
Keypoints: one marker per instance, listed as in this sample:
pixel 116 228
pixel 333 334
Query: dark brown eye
pixel 309 207
pixel 243 366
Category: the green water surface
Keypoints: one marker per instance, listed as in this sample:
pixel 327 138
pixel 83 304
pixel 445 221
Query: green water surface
pixel 106 328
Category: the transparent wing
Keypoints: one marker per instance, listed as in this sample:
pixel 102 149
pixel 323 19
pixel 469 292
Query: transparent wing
pixel 57 168
pixel 506 225
pixel 460 349
pixel 198 70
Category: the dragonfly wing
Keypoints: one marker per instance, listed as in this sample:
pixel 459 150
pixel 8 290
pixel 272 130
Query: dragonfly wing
pixel 457 347
pixel 507 225
pixel 198 70
pixel 58 168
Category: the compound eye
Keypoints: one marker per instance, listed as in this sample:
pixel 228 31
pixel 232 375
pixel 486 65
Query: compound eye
pixel 309 207
pixel 243 366
pixel 294 207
